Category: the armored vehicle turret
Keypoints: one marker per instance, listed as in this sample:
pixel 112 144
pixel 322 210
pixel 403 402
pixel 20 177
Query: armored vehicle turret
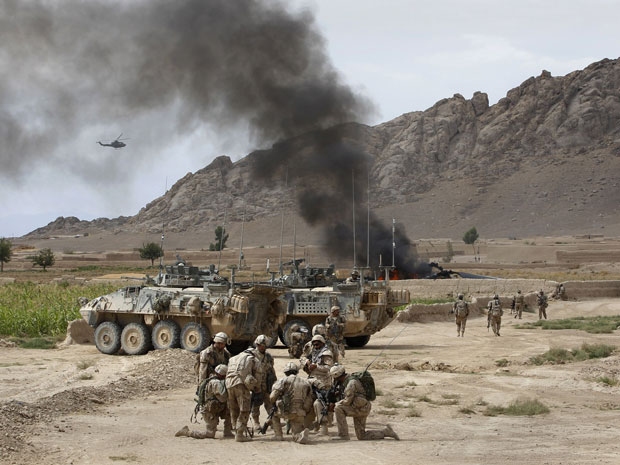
pixel 136 318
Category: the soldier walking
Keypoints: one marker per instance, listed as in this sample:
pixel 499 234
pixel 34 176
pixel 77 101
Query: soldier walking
pixel 292 397
pixel 541 300
pixel 353 403
pixel 214 404
pixel 241 380
pixel 494 316
pixel 461 312
pixel 519 304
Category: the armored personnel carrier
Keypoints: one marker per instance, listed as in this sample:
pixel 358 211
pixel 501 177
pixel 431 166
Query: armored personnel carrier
pixel 138 318
pixel 367 305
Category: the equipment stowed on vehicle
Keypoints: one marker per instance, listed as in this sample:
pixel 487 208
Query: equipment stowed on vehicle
pixel 137 318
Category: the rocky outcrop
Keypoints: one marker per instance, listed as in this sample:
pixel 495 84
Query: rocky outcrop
pixel 553 124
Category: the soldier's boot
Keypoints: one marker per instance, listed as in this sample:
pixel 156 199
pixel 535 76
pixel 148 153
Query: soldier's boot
pixel 182 432
pixel 324 431
pixel 242 435
pixel 390 433
pixel 228 432
pixel 304 436
pixel 316 426
pixel 463 333
pixel 257 425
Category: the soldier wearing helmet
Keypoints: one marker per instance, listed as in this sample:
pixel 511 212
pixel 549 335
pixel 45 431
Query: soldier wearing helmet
pixel 214 406
pixel 494 315
pixel 213 356
pixel 541 300
pixel 519 301
pixel 318 362
pixel 352 402
pixel 298 338
pixel 266 378
pixel 244 371
pixel 293 397
pixel 334 325
pixel 461 312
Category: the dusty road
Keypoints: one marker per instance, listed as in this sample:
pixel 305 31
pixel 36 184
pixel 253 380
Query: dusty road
pixel 77 406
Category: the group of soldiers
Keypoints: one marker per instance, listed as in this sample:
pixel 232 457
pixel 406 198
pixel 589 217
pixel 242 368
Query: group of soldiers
pixel 495 311
pixel 231 388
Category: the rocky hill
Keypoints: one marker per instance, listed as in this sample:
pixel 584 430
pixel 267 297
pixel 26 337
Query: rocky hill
pixel 544 160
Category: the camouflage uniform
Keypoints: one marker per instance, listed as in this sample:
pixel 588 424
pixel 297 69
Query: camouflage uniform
pixel 298 338
pixel 214 407
pixel 334 325
pixel 317 365
pixel 267 377
pixel 241 380
pixel 209 359
pixel 495 313
pixel 461 312
pixel 541 300
pixel 293 398
pixel 353 403
pixel 519 301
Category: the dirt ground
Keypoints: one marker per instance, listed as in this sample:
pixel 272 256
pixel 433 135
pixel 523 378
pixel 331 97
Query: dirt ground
pixel 77 406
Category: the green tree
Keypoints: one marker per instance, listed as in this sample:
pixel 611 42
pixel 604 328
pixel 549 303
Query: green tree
pixel 44 258
pixel 151 251
pixel 470 237
pixel 220 239
pixel 5 252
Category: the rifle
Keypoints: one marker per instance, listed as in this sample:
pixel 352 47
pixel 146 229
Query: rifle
pixel 263 429
pixel 323 398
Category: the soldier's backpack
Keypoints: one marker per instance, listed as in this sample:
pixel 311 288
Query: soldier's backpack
pixel 496 309
pixel 461 308
pixel 368 383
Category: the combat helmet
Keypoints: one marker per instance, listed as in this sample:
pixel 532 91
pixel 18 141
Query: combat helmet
pixel 460 296
pixel 291 367
pixel 319 329
pixel 335 308
pixel 319 338
pixel 337 371
pixel 221 337
pixel 221 369
pixel 261 340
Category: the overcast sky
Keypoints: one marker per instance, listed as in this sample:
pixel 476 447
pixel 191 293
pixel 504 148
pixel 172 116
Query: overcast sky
pixel 403 55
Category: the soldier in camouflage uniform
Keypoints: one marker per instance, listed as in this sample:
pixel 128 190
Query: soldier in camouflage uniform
pixel 293 397
pixel 241 380
pixel 214 355
pixel 260 396
pixel 494 316
pixel 334 325
pixel 353 403
pixel 461 312
pixel 214 407
pixel 298 338
pixel 519 301
pixel 317 364
pixel 541 299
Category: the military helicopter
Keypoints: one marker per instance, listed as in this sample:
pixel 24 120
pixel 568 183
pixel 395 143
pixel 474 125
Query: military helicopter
pixel 117 144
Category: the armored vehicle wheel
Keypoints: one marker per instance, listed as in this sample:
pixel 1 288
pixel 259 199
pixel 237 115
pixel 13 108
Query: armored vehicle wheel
pixel 166 334
pixel 357 341
pixel 108 337
pixel 286 331
pixel 136 339
pixel 194 337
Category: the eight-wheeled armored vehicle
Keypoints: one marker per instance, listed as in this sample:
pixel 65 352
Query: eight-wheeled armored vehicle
pixel 367 305
pixel 136 318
